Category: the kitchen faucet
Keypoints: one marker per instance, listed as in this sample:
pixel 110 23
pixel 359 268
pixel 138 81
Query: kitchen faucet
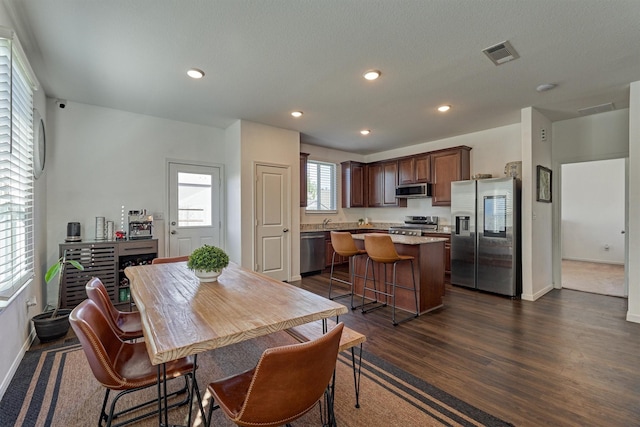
pixel 325 222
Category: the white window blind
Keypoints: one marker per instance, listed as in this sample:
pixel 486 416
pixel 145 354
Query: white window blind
pixel 321 186
pixel 16 168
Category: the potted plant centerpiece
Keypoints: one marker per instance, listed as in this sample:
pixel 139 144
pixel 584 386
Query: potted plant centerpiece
pixel 54 324
pixel 207 262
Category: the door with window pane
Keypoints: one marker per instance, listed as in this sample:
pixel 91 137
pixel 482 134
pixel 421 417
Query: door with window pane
pixel 194 208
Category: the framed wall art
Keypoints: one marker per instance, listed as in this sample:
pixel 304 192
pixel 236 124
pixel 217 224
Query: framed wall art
pixel 543 180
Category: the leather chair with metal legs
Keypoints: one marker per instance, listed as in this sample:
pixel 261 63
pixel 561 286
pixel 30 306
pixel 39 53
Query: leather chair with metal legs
pixel 122 365
pixel 127 325
pixel 343 245
pixel 287 382
pixel 381 250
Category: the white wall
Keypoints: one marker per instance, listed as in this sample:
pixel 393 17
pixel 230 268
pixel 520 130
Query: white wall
pixel 491 150
pixel 100 159
pixel 633 201
pixel 233 172
pixel 537 217
pixel 268 145
pixel 595 137
pixel 593 207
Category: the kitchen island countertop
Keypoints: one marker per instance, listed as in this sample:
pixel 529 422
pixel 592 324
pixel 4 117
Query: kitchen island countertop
pixel 407 240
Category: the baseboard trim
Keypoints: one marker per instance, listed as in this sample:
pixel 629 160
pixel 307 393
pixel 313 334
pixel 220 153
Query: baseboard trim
pixel 6 381
pixel 595 261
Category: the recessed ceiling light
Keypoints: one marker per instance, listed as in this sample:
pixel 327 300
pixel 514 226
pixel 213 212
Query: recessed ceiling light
pixel 371 74
pixel 545 87
pixel 296 114
pixel 365 131
pixel 444 108
pixel 195 73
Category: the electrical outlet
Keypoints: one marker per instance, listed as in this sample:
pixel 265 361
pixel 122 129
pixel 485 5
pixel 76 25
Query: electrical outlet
pixel 33 301
pixel 607 247
pixel 159 216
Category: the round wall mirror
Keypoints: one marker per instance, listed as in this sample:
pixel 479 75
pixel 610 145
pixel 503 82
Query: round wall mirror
pixel 39 144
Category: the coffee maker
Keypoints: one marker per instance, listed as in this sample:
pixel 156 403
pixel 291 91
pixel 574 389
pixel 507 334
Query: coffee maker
pixel 140 225
pixel 73 232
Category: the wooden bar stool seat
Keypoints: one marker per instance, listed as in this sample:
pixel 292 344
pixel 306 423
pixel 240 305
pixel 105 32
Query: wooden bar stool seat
pixel 381 250
pixel 344 246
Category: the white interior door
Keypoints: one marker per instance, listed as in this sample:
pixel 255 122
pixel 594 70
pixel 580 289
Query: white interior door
pixel 273 244
pixel 195 207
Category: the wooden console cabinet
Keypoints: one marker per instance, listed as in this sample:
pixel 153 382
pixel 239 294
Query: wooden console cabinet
pixel 105 260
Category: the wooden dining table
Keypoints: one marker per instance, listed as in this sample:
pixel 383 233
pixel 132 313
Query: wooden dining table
pixel 182 316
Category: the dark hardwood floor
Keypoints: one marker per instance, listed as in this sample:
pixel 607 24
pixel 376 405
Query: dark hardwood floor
pixel 568 359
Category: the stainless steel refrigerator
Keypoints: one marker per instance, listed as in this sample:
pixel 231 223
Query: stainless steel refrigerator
pixel 485 241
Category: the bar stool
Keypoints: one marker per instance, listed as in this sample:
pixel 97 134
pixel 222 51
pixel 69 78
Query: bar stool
pixel 380 249
pixel 343 245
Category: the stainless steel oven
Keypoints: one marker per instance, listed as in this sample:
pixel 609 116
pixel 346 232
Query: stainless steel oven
pixel 416 226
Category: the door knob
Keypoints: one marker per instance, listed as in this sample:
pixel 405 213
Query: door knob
pixel 173 231
pixel 622 232
pixel 285 230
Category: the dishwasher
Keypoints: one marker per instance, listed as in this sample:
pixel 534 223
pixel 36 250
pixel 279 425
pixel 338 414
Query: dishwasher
pixel 311 252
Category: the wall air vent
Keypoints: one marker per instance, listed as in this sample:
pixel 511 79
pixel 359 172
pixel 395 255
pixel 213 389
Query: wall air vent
pixel 501 53
pixel 596 109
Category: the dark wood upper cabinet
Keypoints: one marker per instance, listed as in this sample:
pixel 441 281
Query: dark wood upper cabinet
pixel 390 170
pixel 407 170
pixel 353 184
pixel 374 184
pixel 375 178
pixel 422 168
pixel 414 169
pixel 452 164
pixel 303 179
pixel 383 180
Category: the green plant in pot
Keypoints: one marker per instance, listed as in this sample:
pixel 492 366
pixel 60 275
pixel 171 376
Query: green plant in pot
pixel 54 324
pixel 207 262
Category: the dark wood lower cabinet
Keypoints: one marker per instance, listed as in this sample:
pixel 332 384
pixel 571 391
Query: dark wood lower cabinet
pixel 105 260
pixel 447 249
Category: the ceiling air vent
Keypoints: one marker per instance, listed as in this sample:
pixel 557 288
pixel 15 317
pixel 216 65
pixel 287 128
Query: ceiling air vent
pixel 501 53
pixel 596 109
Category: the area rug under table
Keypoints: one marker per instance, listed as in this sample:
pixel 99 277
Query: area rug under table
pixel 55 387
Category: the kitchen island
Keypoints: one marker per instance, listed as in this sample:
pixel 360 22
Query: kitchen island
pixel 428 266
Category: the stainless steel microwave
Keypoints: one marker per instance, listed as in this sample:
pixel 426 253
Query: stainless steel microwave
pixel 413 191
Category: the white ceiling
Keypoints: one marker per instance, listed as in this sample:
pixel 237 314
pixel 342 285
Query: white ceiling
pixel 264 59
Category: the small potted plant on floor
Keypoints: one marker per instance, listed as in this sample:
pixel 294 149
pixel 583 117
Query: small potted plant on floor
pixel 54 324
pixel 207 262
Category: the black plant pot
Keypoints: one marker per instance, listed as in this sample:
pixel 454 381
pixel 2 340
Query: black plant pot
pixel 49 329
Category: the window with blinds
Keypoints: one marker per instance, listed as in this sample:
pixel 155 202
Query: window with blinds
pixel 16 168
pixel 321 186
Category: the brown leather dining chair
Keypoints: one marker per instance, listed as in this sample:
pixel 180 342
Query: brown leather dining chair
pixel 121 365
pixel 166 260
pixel 126 324
pixel 286 383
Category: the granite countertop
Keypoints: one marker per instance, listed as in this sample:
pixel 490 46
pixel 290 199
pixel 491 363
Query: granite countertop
pixel 348 226
pixel 407 240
